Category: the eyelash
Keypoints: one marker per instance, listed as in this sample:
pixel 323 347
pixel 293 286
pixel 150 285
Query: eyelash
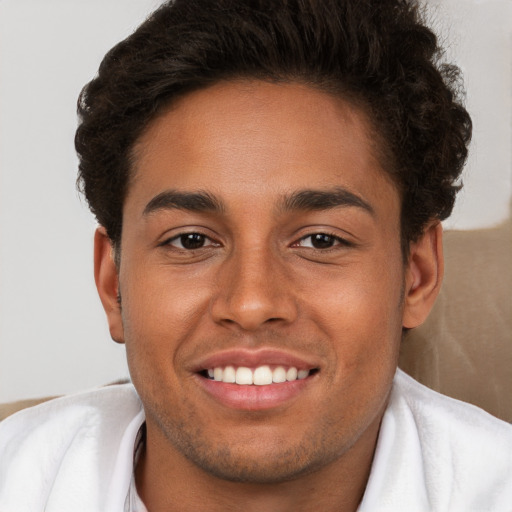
pixel 338 241
pixel 181 237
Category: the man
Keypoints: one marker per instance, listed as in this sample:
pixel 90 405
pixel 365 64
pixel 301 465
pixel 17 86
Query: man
pixel 269 178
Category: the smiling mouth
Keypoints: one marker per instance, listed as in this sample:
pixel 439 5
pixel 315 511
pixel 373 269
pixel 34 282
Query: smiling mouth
pixel 260 376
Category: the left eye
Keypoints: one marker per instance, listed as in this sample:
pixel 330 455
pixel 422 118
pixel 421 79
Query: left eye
pixel 321 241
pixel 190 241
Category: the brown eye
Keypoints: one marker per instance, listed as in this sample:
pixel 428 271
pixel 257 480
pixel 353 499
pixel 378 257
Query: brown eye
pixel 190 241
pixel 320 241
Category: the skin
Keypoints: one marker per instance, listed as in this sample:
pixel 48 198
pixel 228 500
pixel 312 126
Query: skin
pixel 258 283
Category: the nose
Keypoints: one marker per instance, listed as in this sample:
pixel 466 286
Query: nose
pixel 254 290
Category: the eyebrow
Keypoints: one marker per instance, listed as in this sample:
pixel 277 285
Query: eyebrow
pixel 192 201
pixel 318 200
pixel 306 200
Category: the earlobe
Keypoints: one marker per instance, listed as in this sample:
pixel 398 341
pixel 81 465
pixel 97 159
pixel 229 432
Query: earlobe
pixel 107 283
pixel 424 275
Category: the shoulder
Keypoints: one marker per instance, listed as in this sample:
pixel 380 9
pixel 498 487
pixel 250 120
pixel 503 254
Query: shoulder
pixel 441 452
pixel 436 413
pixel 62 444
pixel 108 405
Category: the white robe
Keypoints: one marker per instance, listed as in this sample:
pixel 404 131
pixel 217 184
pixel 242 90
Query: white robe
pixel 433 454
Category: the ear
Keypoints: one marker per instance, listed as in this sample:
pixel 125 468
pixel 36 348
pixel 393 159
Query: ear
pixel 107 282
pixel 424 275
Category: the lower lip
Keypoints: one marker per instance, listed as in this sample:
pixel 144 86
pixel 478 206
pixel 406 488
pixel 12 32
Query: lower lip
pixel 254 398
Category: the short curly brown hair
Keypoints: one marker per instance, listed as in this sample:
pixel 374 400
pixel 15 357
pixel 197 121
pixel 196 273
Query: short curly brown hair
pixel 376 53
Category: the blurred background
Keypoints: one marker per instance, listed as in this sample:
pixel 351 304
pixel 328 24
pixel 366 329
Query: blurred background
pixel 53 334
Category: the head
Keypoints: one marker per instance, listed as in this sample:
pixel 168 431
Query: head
pixel 270 176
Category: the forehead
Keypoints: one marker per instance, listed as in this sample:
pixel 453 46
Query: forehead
pixel 256 141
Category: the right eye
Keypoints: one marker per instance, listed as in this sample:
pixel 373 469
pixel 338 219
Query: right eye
pixel 190 241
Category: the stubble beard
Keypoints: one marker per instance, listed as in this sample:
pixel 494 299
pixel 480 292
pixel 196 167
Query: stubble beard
pixel 238 464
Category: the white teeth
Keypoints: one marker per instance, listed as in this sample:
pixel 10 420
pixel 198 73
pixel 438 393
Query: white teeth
pixel 229 375
pixel 243 375
pixel 291 374
pixel 279 375
pixel 260 376
pixel 302 374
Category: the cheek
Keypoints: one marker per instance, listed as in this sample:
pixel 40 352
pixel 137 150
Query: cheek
pixel 158 300
pixel 361 312
pixel 160 311
pixel 362 316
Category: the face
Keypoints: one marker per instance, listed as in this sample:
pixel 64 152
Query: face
pixel 261 244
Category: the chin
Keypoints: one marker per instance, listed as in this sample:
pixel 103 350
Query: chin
pixel 255 469
pixel 252 462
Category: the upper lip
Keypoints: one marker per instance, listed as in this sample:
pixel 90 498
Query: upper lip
pixel 255 358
